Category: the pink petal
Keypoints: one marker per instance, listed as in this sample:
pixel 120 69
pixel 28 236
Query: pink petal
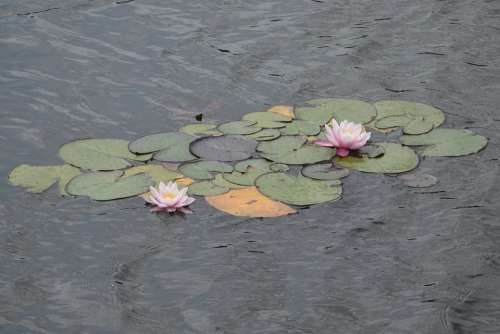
pixel 342 152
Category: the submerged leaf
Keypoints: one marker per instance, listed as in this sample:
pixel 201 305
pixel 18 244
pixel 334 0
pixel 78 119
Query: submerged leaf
pixel 321 111
pixel 36 179
pixel 249 202
pixel 239 128
pixel 105 186
pixel 296 190
pixel 99 154
pixel 446 142
pixel 202 170
pixel 267 120
pixel 201 129
pixel 224 148
pixel 415 180
pixel 206 188
pixel 324 172
pixel 396 159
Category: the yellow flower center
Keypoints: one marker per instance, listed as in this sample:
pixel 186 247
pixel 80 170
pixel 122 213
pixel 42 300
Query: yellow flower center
pixel 168 195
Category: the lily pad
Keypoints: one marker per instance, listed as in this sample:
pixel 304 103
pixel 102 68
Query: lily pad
pixel 284 110
pixel 206 188
pixel 105 186
pixel 99 154
pixel 321 111
pixel 238 128
pixel 396 159
pixel 267 120
pixel 249 202
pixel 325 172
pixel 277 167
pixel 158 173
pixel 247 171
pixel 300 127
pixel 294 150
pixel 224 148
pixel 169 146
pixel 201 129
pixel 415 180
pixel 296 190
pixel 221 182
pixel 36 179
pixel 371 151
pixel 265 134
pixel 446 142
pixel 202 170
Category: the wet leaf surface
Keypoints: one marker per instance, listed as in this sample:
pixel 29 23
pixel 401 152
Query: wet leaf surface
pixel 224 148
pixel 203 170
pixel 36 179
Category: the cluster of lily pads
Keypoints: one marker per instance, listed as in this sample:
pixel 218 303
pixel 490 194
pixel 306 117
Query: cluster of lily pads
pixel 264 165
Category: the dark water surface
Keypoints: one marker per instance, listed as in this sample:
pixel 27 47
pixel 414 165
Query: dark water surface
pixel 385 259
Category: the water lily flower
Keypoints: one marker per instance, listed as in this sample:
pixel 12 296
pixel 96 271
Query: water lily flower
pixel 168 198
pixel 345 137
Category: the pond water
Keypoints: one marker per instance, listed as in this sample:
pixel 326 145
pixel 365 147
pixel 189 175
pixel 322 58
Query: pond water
pixel 384 259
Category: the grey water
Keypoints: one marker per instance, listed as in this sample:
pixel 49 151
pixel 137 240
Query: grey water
pixel 385 259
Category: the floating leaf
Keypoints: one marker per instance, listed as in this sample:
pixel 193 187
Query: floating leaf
pixel 206 188
pixel 105 186
pixel 224 148
pixel 247 171
pixel 267 120
pixel 296 190
pixel 396 159
pixel 202 170
pixel 415 180
pixel 169 146
pixel 415 118
pixel 325 172
pixel 277 167
pixel 284 110
pixel 184 181
pixel 221 182
pixel 99 154
pixel 300 127
pixel 371 151
pixel 265 134
pixel 37 179
pixel 249 202
pixel 238 128
pixel 321 111
pixel 293 150
pixel 157 173
pixel 446 142
pixel 201 129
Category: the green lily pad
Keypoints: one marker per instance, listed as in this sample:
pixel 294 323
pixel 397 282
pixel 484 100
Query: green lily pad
pixel 324 172
pixel 296 190
pixel 414 117
pixel 371 151
pixel 396 159
pixel 158 173
pixel 277 167
pixel 99 154
pixel 247 171
pixel 300 127
pixel 446 142
pixel 265 134
pixel 36 179
pixel 221 182
pixel 267 120
pixel 321 111
pixel 201 129
pixel 293 150
pixel 239 128
pixel 202 170
pixel 169 146
pixel 206 188
pixel 105 186
pixel 224 148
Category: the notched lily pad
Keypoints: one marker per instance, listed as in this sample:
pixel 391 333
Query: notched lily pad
pixel 446 142
pixel 105 186
pixel 265 134
pixel 221 182
pixel 396 159
pixel 239 128
pixel 100 154
pixel 300 127
pixel 201 129
pixel 325 172
pixel 415 180
pixel 157 173
pixel 321 111
pixel 267 120
pixel 203 170
pixel 206 188
pixel 296 190
pixel 371 151
pixel 37 179
pixel 169 146
pixel 247 171
pixel 224 148
pixel 294 150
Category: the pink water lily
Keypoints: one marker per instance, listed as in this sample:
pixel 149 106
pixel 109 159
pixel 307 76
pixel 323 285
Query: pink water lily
pixel 345 137
pixel 168 198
